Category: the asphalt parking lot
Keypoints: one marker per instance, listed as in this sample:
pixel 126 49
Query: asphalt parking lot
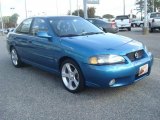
pixel 31 94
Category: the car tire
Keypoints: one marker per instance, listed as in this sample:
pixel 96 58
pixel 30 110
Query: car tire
pixel 134 25
pixel 16 61
pixel 141 25
pixel 72 77
pixel 151 30
pixel 129 29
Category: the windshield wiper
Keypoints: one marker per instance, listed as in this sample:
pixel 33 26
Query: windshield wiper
pixel 91 33
pixel 83 33
pixel 69 35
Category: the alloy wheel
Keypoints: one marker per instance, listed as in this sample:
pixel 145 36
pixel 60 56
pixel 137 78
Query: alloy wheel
pixel 14 57
pixel 70 76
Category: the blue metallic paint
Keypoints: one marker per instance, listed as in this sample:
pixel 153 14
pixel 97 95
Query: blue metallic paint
pixel 46 54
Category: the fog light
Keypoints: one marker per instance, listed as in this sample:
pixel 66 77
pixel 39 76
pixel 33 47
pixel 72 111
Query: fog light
pixel 112 82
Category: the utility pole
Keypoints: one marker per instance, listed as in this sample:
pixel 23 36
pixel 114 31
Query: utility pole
pixel 1 18
pixel 145 29
pixel 141 8
pixel 124 7
pixel 85 9
pixel 70 7
pixel 153 5
pixel 26 8
pixel 77 7
pixel 131 15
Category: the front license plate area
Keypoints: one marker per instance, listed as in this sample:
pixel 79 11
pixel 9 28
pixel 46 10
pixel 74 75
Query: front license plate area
pixel 143 69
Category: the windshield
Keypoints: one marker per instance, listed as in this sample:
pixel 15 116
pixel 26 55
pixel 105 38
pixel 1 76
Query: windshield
pixel 73 26
pixel 122 17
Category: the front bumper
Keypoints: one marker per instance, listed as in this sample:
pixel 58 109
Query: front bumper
pixel 124 74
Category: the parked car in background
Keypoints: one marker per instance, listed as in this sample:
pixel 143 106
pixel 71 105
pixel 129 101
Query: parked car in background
pixel 104 25
pixel 123 22
pixel 78 51
pixel 105 19
pixel 137 23
pixel 154 21
pixel 6 31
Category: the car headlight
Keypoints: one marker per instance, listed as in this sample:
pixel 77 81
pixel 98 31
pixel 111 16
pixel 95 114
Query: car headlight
pixel 106 59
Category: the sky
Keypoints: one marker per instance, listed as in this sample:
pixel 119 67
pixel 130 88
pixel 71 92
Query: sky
pixel 61 7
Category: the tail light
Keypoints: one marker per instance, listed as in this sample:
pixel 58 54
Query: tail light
pixel 113 25
pixel 153 20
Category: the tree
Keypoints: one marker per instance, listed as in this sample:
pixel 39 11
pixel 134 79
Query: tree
pixel 10 21
pixel 108 16
pixel 13 19
pixel 91 12
pixel 140 5
pixel 6 21
pixel 80 11
pixel 156 4
pixel 69 12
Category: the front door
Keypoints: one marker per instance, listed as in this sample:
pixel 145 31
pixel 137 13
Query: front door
pixel 42 49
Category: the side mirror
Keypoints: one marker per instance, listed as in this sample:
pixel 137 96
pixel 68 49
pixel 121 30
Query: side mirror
pixel 43 34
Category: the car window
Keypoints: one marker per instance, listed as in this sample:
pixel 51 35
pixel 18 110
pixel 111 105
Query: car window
pixel 153 15
pixel 24 26
pixel 39 25
pixel 68 26
pixel 122 17
pixel 100 22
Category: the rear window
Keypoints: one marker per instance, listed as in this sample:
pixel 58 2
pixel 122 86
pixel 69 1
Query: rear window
pixel 122 17
pixel 100 22
pixel 153 15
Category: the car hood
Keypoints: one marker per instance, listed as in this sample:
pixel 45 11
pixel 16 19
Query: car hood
pixel 101 44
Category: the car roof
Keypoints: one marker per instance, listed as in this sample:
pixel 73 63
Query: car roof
pixel 67 16
pixel 122 15
pixel 95 19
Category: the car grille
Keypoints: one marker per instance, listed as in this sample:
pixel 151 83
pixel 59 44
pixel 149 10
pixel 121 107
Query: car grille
pixel 136 55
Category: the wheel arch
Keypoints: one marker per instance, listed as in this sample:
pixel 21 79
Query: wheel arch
pixel 10 48
pixel 62 59
pixel 83 82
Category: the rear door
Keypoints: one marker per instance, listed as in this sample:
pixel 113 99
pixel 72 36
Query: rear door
pixel 21 38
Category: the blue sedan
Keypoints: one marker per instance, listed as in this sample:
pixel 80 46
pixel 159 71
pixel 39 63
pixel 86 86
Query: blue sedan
pixel 79 52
